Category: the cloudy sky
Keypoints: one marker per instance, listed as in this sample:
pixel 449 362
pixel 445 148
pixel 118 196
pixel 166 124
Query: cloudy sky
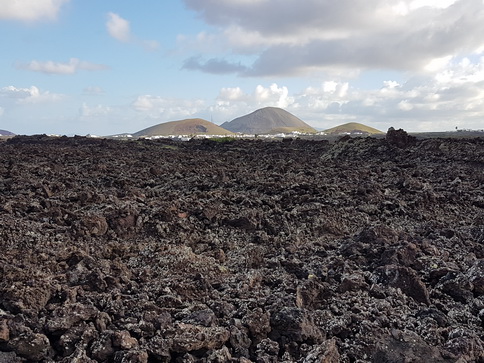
pixel 112 66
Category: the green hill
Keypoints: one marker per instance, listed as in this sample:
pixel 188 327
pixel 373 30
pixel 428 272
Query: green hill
pixel 352 128
pixel 193 126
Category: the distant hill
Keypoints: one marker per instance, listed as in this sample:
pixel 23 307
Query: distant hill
pixel 352 128
pixel 268 120
pixel 6 133
pixel 193 126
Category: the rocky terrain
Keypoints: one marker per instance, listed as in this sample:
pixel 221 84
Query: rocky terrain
pixel 362 250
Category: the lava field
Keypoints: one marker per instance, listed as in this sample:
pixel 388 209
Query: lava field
pixel 359 250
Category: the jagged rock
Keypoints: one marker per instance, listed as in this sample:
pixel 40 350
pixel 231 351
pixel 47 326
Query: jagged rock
pixel 65 317
pixel 405 279
pixel 353 282
pixel 205 317
pixel 403 346
pixel 327 352
pixel 102 348
pixel 458 286
pixel 399 138
pixel 258 323
pixel 4 331
pixel 32 346
pixel 131 356
pixel 10 357
pixel 465 345
pixel 190 337
pixel 124 340
pixel 95 225
pixel 159 348
pixel 267 351
pixel 294 324
pixel 220 356
pixel 240 341
pixel 312 294
pixel 476 277
pixel 67 341
pixel 26 298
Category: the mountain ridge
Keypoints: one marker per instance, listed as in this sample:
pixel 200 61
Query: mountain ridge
pixel 268 120
pixel 6 133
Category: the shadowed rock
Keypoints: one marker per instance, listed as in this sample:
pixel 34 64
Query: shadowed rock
pixel 399 138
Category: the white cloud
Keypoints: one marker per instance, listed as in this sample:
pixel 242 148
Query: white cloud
pixel 30 10
pixel 297 38
pixel 232 94
pixel 391 84
pixel 150 45
pixel 404 105
pixel 330 86
pixel 273 95
pixel 120 29
pixel 213 66
pixel 19 93
pixel 93 90
pixel 405 7
pixel 440 4
pixel 168 109
pixel 145 103
pixel 261 97
pixel 50 67
pixel 440 101
pixel 463 72
pixel 86 111
pixel 438 64
pixel 28 95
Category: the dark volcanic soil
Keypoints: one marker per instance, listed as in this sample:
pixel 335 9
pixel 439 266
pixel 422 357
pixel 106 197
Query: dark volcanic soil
pixel 363 250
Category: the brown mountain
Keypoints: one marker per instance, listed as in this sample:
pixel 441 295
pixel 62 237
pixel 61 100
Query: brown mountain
pixel 352 128
pixel 6 133
pixel 193 126
pixel 268 120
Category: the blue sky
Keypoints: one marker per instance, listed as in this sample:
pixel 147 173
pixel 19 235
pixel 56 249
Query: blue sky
pixel 114 66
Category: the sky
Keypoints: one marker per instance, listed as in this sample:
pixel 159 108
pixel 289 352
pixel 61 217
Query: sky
pixel 78 67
